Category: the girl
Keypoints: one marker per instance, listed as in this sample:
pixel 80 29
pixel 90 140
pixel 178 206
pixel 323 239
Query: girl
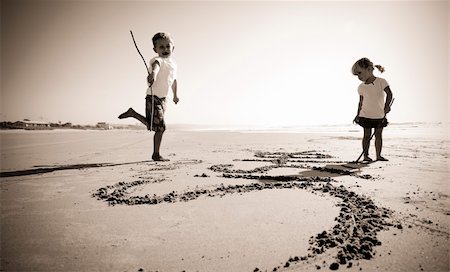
pixel 372 107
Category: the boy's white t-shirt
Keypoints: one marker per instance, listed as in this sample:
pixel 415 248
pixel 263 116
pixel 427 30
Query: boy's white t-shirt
pixel 165 77
pixel 373 98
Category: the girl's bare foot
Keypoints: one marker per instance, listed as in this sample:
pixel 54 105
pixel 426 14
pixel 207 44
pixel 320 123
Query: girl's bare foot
pixel 367 159
pixel 381 159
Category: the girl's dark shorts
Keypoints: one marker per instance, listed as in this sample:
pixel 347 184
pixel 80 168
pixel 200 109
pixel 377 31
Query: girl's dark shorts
pixel 155 121
pixel 372 123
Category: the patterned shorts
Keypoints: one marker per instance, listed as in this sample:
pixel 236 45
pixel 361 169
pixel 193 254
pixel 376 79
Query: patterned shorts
pixel 159 108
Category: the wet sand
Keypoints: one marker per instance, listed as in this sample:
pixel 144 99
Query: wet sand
pixel 227 201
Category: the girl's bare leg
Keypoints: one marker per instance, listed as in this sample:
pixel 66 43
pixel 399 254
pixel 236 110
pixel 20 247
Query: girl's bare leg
pixel 366 143
pixel 379 144
pixel 131 113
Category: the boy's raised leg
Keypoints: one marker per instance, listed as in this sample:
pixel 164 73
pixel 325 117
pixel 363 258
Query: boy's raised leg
pixel 132 113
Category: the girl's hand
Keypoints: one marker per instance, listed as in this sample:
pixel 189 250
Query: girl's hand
pixel 356 120
pixel 175 99
pixel 387 109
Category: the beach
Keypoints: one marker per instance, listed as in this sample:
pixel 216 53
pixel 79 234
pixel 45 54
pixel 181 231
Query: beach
pixel 228 200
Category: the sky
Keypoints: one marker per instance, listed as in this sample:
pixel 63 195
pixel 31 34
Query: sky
pixel 249 63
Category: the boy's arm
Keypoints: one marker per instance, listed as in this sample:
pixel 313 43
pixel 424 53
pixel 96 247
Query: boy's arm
pixel 359 109
pixel 153 73
pixel 387 107
pixel 174 89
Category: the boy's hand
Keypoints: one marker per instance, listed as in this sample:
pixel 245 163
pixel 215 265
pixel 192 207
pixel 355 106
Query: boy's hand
pixel 387 109
pixel 175 99
pixel 356 120
pixel 150 79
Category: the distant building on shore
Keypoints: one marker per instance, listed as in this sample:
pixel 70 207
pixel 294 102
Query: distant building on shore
pixel 26 124
pixel 104 125
pixel 61 125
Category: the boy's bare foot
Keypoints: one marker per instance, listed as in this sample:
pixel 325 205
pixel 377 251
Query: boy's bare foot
pixel 157 157
pixel 382 159
pixel 367 159
pixel 126 114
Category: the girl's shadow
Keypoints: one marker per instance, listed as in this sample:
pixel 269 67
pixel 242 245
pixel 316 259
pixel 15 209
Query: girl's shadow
pixel 334 170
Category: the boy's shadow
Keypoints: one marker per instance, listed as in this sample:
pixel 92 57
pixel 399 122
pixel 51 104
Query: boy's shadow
pixel 334 170
pixel 42 169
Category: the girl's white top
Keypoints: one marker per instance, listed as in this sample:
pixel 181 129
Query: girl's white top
pixel 373 98
pixel 165 77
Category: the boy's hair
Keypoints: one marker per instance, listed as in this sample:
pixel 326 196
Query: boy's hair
pixel 365 63
pixel 161 36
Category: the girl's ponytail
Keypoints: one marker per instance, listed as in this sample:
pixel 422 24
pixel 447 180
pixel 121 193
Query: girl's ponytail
pixel 365 63
pixel 380 68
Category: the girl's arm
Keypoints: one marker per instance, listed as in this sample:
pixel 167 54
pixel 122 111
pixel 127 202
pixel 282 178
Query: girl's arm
pixel 359 109
pixel 154 72
pixel 174 89
pixel 387 107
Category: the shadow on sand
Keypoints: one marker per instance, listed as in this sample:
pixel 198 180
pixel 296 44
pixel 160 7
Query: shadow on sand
pixel 52 168
pixel 335 170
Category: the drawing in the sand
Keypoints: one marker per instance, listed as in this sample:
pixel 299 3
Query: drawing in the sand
pixel 161 79
pixel 354 236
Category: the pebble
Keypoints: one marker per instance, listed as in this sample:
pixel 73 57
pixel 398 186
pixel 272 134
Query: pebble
pixel 334 266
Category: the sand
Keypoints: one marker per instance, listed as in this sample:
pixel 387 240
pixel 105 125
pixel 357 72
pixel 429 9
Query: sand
pixel 226 201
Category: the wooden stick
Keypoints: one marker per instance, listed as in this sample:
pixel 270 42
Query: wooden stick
pixel 132 36
pixel 152 107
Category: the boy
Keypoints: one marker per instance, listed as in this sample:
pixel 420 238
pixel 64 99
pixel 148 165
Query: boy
pixel 160 80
